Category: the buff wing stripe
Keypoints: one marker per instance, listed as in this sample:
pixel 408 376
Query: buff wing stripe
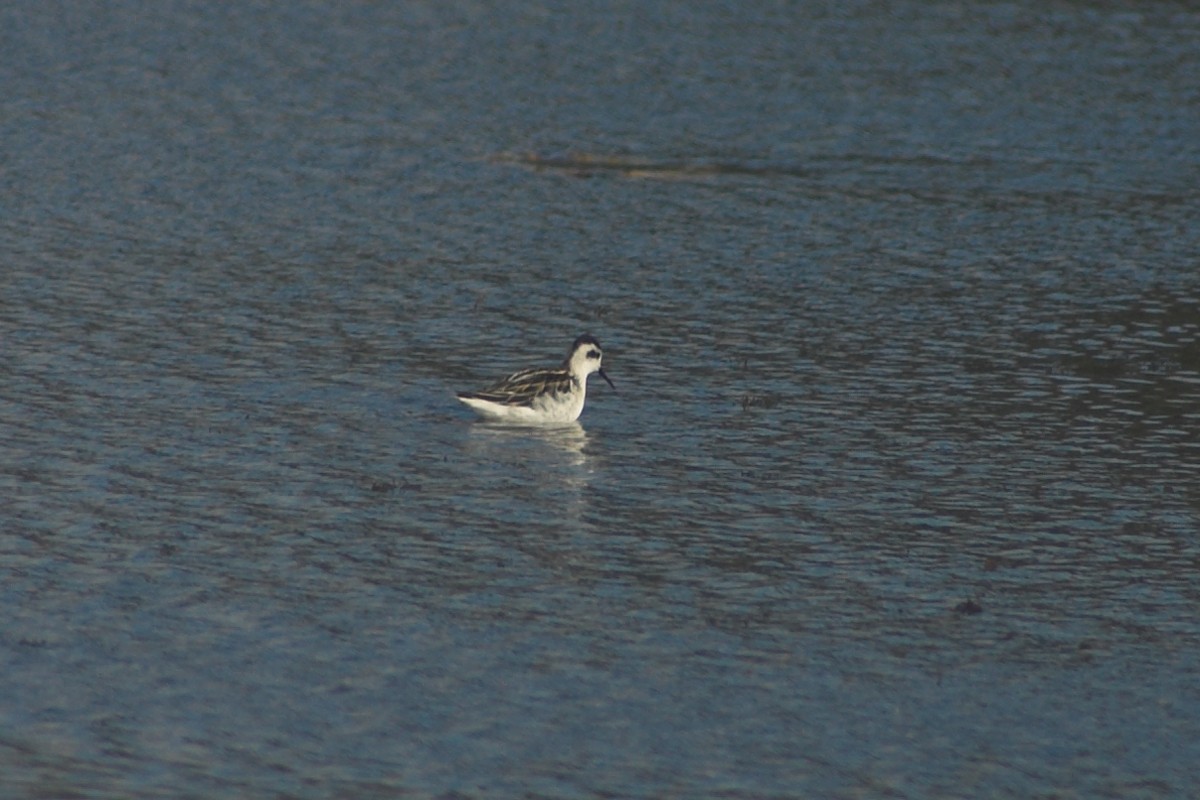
pixel 520 388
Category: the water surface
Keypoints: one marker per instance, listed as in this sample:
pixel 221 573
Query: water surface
pixel 897 495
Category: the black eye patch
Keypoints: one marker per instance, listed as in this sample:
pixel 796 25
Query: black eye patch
pixel 593 354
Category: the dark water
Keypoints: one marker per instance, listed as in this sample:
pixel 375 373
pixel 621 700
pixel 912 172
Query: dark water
pixel 902 304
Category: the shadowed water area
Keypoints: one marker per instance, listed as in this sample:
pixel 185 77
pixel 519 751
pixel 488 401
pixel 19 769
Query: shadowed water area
pixel 897 495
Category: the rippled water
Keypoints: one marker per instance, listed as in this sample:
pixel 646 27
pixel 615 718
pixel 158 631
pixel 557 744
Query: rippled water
pixel 896 496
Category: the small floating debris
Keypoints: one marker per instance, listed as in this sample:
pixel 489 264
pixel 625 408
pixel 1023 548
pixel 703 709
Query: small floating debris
pixel 750 401
pixel 968 607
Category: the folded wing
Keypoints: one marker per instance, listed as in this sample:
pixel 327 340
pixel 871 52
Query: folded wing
pixel 520 388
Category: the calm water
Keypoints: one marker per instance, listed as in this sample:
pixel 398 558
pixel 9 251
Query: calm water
pixel 901 300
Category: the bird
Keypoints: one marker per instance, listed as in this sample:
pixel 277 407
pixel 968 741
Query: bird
pixel 542 396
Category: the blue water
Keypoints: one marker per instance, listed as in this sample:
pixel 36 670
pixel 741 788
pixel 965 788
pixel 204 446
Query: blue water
pixel 896 496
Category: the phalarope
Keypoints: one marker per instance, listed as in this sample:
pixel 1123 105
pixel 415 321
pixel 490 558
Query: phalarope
pixel 542 396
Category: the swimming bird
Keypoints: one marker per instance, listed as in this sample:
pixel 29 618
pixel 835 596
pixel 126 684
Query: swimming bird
pixel 543 396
